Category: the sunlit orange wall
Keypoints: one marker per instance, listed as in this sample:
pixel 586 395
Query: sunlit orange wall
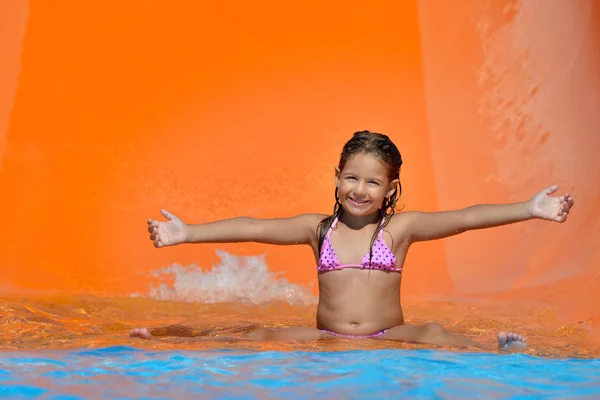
pixel 210 110
pixel 218 110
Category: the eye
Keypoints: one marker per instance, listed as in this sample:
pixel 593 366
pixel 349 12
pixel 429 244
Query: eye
pixel 374 183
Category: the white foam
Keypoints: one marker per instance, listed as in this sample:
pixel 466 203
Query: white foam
pixel 242 279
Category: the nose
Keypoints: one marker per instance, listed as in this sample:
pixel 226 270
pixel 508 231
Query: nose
pixel 360 188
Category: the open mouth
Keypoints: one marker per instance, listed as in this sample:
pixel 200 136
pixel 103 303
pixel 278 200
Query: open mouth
pixel 358 202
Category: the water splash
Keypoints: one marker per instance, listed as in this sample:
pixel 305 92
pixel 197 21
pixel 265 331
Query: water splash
pixel 240 279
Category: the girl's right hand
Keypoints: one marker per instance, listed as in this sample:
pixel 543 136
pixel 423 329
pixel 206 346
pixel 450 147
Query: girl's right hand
pixel 167 233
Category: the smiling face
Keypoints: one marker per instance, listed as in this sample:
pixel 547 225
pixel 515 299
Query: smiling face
pixel 363 184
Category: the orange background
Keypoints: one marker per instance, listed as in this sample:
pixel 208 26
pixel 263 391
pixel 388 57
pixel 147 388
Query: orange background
pixel 111 111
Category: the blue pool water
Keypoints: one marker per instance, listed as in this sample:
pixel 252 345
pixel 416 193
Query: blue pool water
pixel 125 372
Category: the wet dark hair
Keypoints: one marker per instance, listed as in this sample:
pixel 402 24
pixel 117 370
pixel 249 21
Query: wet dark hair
pixel 380 146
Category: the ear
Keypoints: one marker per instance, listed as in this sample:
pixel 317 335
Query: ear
pixel 337 176
pixel 392 188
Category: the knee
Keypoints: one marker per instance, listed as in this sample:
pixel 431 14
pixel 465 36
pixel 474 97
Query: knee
pixel 434 329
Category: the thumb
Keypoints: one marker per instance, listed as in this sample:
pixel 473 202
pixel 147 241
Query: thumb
pixel 167 214
pixel 550 190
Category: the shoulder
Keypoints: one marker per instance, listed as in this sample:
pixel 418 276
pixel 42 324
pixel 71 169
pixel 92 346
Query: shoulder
pixel 403 217
pixel 312 218
pixel 400 223
pixel 401 226
pixel 310 221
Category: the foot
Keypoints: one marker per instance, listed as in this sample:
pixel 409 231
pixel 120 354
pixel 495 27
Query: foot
pixel 511 341
pixel 141 333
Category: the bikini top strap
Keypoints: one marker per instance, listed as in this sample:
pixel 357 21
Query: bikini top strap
pixel 381 225
pixel 333 224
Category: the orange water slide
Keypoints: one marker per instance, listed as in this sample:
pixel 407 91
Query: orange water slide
pixel 212 110
pixel 513 107
pixel 208 110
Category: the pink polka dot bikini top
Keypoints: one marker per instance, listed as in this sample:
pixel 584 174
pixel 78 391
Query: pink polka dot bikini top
pixel 383 258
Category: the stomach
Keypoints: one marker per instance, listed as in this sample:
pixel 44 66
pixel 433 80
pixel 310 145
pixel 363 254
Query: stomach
pixel 359 302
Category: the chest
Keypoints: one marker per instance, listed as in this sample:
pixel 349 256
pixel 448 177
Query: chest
pixel 352 247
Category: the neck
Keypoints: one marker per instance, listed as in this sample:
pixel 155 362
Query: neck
pixel 359 222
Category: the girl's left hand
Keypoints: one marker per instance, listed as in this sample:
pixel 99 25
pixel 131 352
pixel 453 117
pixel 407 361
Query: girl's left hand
pixel 551 208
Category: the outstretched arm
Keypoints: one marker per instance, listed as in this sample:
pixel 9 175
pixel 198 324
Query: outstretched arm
pixel 300 229
pixel 423 226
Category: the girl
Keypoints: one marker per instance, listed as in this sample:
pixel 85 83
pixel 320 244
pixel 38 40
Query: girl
pixel 361 247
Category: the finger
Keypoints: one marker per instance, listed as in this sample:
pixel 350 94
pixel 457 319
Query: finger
pixel 167 214
pixel 566 197
pixel 567 205
pixel 551 189
pixel 153 235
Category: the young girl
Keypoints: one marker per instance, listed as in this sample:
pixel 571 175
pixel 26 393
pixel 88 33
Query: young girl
pixel 361 247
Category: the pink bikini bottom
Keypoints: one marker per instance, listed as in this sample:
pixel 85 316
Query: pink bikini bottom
pixel 372 335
